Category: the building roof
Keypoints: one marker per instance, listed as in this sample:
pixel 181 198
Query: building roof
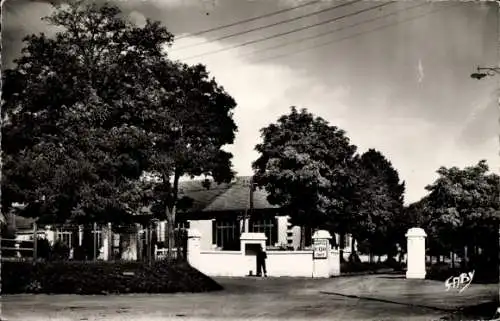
pixel 226 197
pixel 19 222
pixel 234 196
pixel 237 197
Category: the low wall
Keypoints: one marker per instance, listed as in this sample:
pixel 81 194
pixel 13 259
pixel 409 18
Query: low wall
pixel 278 263
pixel 289 263
pixel 334 263
pixel 220 263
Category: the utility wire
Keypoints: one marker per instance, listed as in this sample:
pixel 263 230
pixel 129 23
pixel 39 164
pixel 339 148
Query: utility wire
pixel 354 35
pixel 248 20
pixel 288 32
pixel 269 25
pixel 288 43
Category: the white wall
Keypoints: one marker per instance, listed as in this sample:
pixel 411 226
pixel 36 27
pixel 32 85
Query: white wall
pixel 237 264
pixel 221 263
pixel 289 263
pixel 205 228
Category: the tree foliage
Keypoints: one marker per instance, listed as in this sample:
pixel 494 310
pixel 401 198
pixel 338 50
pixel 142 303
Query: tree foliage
pixel 381 204
pixel 88 112
pixel 462 207
pixel 304 166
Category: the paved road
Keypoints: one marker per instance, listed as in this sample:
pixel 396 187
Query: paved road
pixel 344 298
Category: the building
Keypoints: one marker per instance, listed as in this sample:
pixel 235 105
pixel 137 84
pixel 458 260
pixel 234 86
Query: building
pixel 220 213
pixel 223 211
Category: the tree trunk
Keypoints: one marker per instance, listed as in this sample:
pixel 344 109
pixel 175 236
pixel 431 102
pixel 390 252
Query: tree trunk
pixel 354 255
pixel 170 231
pixel 170 213
pixel 302 237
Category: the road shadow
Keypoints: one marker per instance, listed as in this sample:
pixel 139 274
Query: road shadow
pixel 389 301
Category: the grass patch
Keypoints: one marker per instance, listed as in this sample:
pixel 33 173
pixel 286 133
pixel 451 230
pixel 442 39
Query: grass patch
pixel 68 277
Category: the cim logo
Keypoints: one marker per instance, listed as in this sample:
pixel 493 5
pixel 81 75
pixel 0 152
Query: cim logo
pixel 461 282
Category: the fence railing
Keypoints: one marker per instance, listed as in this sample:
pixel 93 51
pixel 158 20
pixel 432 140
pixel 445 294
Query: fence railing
pixel 90 243
pixel 17 249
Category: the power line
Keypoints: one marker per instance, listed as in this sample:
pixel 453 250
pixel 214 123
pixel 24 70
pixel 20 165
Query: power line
pixel 248 20
pixel 332 31
pixel 354 35
pixel 289 32
pixel 269 25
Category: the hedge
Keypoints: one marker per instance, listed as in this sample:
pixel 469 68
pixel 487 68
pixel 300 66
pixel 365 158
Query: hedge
pixel 482 274
pixel 359 267
pixel 68 277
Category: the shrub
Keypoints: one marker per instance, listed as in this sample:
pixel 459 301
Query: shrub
pixel 358 267
pixel 26 245
pixel 79 253
pixel 59 251
pixel 72 277
pixel 482 274
pixel 43 249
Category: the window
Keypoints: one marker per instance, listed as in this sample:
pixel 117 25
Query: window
pixel 161 230
pixel 226 234
pixel 268 227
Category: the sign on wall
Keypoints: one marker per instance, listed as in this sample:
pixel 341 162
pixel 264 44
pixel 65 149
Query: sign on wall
pixel 320 249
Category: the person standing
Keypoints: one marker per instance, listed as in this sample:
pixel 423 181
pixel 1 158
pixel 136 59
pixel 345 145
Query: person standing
pixel 261 262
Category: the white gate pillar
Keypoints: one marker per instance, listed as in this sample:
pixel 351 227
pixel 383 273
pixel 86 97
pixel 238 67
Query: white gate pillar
pixel 194 248
pixel 416 253
pixel 321 254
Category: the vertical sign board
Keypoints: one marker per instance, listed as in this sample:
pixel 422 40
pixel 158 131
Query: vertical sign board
pixel 320 248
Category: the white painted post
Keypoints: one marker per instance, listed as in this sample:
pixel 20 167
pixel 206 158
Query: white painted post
pixel 250 260
pixel 282 222
pixel 296 235
pixel 80 235
pixel 416 253
pixel 204 227
pixel 50 235
pixel 194 248
pixel 252 238
pixel 321 254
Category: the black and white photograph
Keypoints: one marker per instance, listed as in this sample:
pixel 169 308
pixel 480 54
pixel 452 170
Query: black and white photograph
pixel 250 160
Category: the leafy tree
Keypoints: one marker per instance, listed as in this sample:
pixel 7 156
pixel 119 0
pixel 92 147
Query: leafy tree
pixel 304 166
pixel 87 113
pixel 462 207
pixel 188 130
pixel 381 204
pixel 72 142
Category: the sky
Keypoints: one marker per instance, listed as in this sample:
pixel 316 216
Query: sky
pixel 396 78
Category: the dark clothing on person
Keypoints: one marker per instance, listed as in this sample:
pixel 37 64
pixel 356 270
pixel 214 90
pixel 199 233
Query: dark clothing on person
pixel 261 263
